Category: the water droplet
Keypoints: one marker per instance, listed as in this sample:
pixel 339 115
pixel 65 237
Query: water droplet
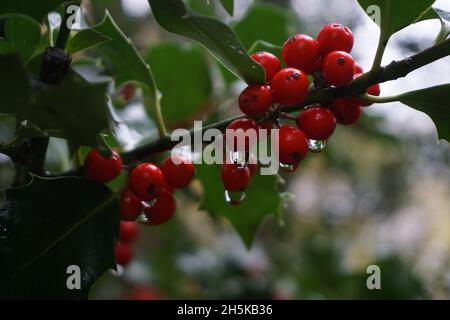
pixel 288 167
pixel 317 146
pixel 235 198
pixel 4 234
pixel 119 271
pixel 239 158
pixel 142 219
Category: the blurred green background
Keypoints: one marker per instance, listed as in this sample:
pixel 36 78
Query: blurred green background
pixel 379 193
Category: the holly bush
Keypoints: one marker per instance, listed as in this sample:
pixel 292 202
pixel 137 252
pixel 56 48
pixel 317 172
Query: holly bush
pixel 67 95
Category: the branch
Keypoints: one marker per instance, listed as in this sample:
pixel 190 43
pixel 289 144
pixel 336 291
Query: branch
pixel 393 71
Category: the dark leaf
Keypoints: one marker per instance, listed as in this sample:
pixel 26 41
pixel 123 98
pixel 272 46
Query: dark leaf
pixel 215 35
pixel 434 102
pixel 52 224
pixel 262 199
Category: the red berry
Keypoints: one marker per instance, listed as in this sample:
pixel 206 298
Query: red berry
pixel 269 62
pixel 128 91
pixel 252 165
pixel 123 253
pixel 318 123
pixel 235 178
pixel 347 110
pixel 178 174
pixel 358 68
pixel 293 145
pixel 143 294
pixel 338 68
pixel 335 37
pixel 374 90
pixel 168 187
pixel 302 52
pixel 290 86
pixel 255 100
pixel 128 231
pixel 102 169
pixel 146 180
pixel 241 134
pixel 131 206
pixel 162 210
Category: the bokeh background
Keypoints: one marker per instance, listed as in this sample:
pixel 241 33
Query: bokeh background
pixel 378 194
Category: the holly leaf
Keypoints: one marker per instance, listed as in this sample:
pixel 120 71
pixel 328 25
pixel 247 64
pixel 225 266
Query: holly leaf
pixel 220 39
pixel 228 5
pixel 85 39
pixel 123 61
pixel 22 36
pixel 434 102
pixel 262 199
pixel 52 224
pixel 394 15
pixel 254 27
pixel 266 46
pixel 59 110
pixel 187 94
pixel 35 9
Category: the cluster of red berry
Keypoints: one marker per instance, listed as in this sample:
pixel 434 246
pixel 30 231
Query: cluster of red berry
pixel 150 195
pixel 328 63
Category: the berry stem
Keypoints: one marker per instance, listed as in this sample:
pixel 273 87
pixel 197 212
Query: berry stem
pixel 285 115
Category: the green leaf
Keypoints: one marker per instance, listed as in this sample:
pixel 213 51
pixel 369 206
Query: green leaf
pixel 75 109
pixel 35 9
pixel 396 14
pixel 266 46
pixel 183 77
pixel 255 27
pixel 262 199
pixel 434 102
pixel 85 39
pixel 253 30
pixel 444 16
pixel 123 61
pixel 22 36
pixel 228 5
pixel 215 35
pixel 52 224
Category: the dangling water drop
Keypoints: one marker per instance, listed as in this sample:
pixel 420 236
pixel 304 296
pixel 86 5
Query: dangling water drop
pixel 235 198
pixel 317 146
pixel 239 158
pixel 288 167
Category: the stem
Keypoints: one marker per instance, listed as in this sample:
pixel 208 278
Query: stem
pixel 375 99
pixel 64 31
pixel 160 119
pixel 393 71
pixel 382 43
pixel 165 143
pixel 443 34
